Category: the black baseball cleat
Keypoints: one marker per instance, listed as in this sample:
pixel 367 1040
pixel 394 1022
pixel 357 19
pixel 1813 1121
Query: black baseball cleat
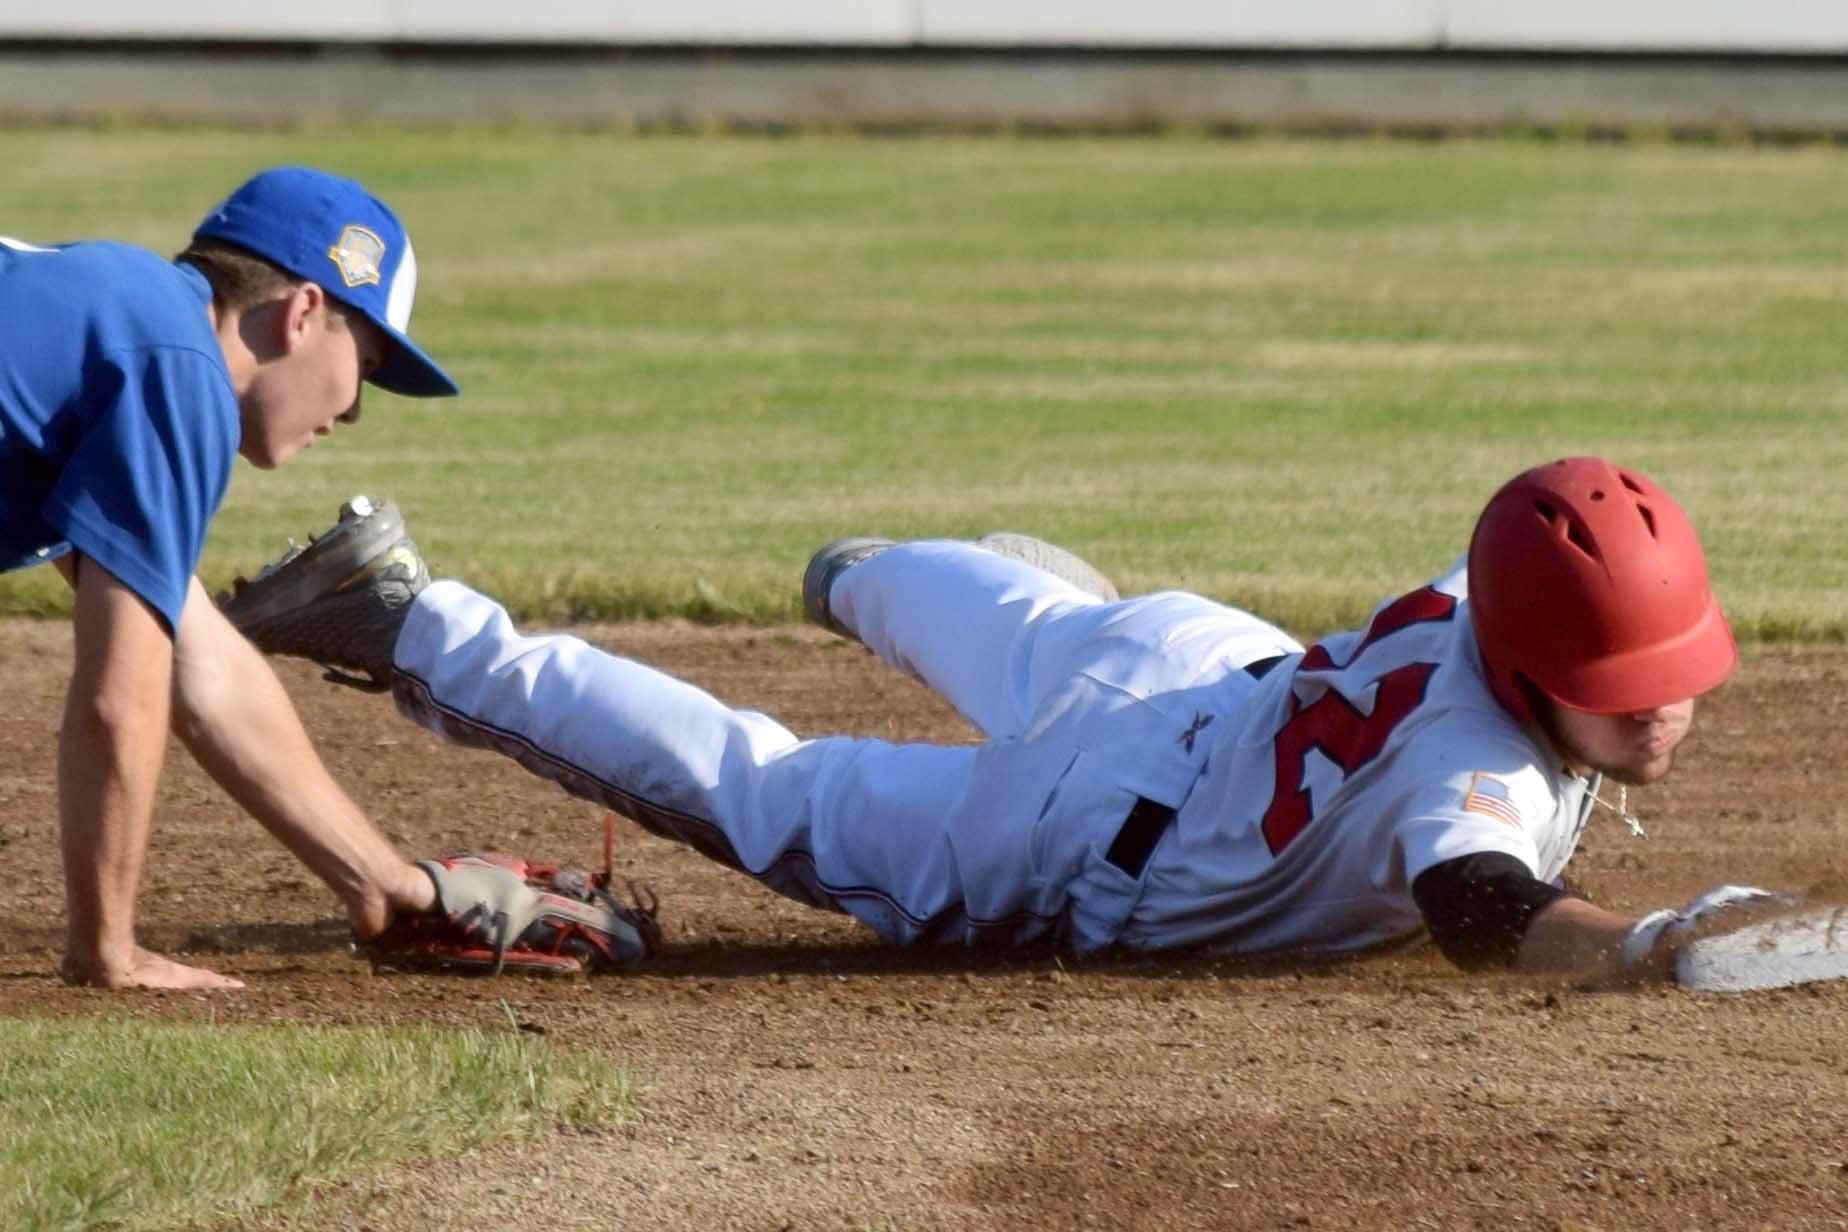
pixel 340 600
pixel 827 564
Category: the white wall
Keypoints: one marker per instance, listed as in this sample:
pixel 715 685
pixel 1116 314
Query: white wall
pixel 1651 25
pixel 1811 26
pixel 1184 23
pixel 334 19
pixel 661 21
pixel 623 21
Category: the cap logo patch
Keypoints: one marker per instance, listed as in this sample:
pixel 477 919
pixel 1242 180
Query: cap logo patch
pixel 358 254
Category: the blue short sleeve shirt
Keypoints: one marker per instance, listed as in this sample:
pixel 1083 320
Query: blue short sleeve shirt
pixel 118 423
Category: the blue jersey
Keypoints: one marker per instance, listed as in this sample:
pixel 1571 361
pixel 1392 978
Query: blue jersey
pixel 118 422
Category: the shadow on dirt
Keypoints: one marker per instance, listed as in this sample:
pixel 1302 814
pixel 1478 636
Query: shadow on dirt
pixel 751 959
pixel 319 937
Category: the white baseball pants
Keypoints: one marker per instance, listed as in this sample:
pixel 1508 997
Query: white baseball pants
pixel 1086 707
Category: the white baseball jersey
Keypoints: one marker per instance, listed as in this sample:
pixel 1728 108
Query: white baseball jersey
pixel 1381 754
pixel 1305 802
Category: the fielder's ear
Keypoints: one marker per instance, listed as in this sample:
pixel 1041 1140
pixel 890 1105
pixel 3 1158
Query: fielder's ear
pixel 297 315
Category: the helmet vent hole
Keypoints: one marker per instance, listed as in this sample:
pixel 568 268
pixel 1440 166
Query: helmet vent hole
pixel 1630 483
pixel 1597 495
pixel 1648 519
pixel 1566 527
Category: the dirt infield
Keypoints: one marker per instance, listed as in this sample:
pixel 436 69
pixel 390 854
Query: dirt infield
pixel 798 1076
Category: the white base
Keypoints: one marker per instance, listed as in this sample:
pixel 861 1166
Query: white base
pixel 1802 948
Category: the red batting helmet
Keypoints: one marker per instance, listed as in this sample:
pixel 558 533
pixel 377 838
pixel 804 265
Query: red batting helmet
pixel 1588 581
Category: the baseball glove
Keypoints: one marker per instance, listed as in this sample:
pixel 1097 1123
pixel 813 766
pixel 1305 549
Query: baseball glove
pixel 496 913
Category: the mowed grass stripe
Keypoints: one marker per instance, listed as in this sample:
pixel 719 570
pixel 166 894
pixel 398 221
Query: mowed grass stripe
pixel 135 1125
pixel 1285 373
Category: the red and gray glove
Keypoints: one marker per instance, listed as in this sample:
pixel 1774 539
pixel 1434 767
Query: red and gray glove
pixel 497 913
pixel 1661 932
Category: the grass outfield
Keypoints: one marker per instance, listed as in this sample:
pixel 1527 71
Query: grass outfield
pixel 1281 372
pixel 134 1125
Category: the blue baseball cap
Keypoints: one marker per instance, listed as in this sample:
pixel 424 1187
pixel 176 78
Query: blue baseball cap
pixel 332 232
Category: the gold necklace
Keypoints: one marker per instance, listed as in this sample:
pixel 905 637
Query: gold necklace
pixel 1622 809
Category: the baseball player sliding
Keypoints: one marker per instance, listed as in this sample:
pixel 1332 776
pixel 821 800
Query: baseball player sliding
pixel 1158 771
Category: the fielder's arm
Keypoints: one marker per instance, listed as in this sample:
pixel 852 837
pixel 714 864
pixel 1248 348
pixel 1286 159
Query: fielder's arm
pixel 234 716
pixel 110 748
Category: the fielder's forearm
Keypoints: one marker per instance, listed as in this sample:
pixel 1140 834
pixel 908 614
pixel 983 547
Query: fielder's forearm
pixel 236 719
pixel 110 747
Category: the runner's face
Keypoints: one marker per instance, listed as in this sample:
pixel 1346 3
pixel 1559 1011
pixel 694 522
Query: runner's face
pixel 1634 748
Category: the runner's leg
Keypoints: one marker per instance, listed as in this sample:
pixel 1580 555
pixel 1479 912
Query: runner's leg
pixel 852 825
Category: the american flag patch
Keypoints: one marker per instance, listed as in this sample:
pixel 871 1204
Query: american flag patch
pixel 1490 796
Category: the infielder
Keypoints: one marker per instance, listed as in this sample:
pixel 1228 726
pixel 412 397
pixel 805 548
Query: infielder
pixel 127 384
pixel 1158 771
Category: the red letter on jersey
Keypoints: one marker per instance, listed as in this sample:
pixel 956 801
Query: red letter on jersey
pixel 1346 737
pixel 1426 604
